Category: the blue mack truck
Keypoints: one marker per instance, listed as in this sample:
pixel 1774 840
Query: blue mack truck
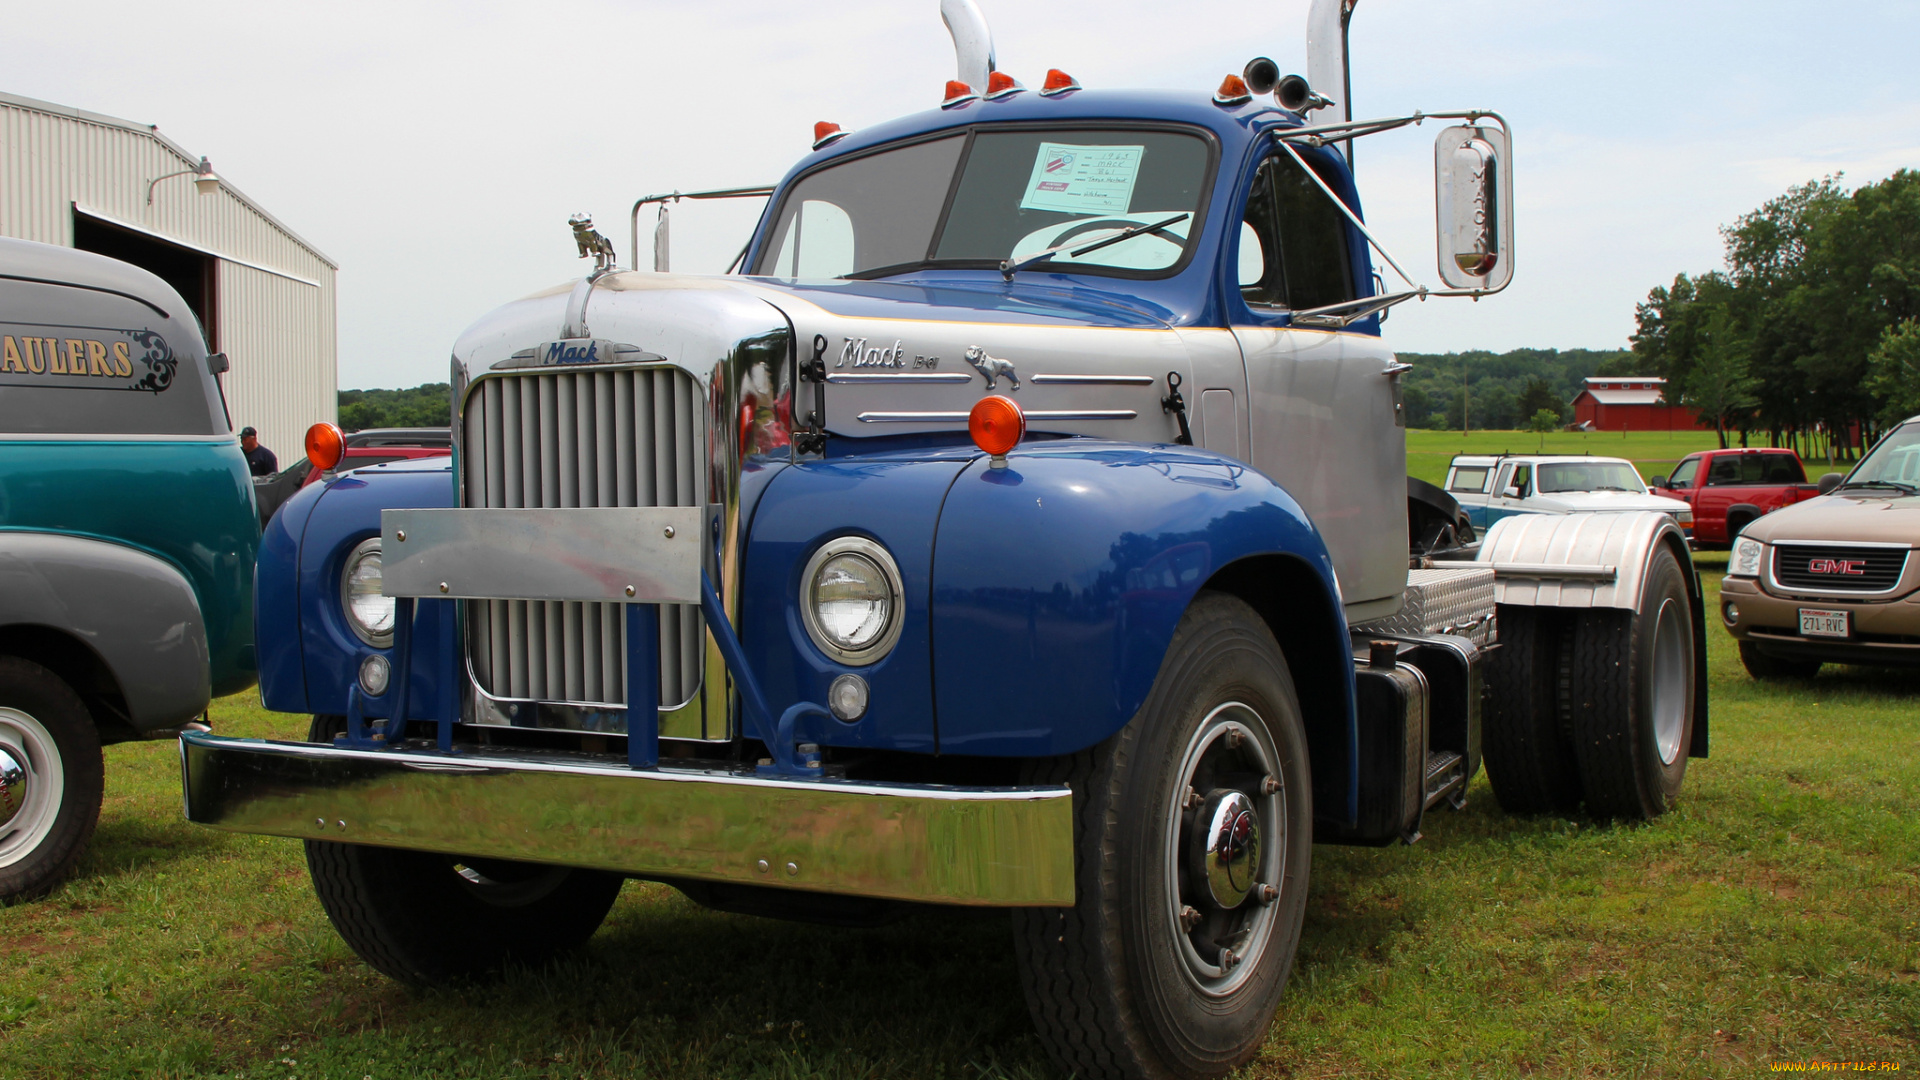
pixel 1025 524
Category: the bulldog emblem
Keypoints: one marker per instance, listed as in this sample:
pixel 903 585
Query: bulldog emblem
pixel 991 367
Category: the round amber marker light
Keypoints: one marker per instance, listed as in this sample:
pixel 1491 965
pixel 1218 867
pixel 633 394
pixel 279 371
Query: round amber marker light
pixel 325 445
pixel 996 424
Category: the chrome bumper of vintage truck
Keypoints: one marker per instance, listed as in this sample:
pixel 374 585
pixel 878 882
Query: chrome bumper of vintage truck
pixel 990 847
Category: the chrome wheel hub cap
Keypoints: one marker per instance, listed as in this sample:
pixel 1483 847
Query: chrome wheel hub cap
pixel 32 782
pixel 1226 841
pixel 1229 842
pixel 13 788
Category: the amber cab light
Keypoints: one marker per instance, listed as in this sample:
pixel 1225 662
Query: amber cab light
pixel 996 424
pixel 958 93
pixel 325 446
pixel 1233 91
pixel 1058 82
pixel 1002 85
pixel 826 132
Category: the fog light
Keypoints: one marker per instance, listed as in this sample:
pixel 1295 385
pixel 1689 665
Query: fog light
pixel 1732 613
pixel 847 697
pixel 374 675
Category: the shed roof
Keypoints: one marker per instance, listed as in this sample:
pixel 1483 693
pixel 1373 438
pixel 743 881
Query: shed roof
pixel 152 131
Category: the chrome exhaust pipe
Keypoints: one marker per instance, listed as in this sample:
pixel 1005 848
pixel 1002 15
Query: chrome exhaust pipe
pixel 972 42
pixel 1327 61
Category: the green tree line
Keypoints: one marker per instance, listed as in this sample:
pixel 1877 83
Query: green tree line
pixel 420 406
pixel 1502 391
pixel 1811 332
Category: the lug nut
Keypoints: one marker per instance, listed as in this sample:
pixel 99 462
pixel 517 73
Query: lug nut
pixel 1189 918
pixel 1266 894
pixel 1233 738
pixel 1270 786
pixel 1190 800
pixel 1228 959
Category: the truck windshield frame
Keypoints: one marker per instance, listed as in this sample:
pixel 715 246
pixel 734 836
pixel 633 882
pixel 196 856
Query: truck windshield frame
pixel 1895 460
pixel 950 203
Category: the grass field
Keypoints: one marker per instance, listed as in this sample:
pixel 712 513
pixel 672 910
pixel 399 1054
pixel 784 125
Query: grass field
pixel 1654 452
pixel 1773 917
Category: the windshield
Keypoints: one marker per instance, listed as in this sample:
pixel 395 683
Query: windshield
pixel 1896 460
pixel 973 200
pixel 1589 476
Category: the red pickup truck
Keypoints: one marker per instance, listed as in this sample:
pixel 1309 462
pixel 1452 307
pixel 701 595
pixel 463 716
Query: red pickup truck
pixel 1728 489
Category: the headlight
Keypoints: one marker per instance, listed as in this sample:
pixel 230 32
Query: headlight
pixel 1746 557
pixel 369 613
pixel 852 600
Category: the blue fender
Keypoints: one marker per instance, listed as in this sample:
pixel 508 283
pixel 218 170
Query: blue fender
pixel 309 656
pixel 1060 579
pixel 1040 598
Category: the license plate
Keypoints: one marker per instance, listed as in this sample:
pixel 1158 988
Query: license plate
pixel 1818 622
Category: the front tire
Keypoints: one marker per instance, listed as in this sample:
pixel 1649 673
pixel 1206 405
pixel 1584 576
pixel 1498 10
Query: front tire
pixel 51 779
pixel 429 919
pixel 1172 960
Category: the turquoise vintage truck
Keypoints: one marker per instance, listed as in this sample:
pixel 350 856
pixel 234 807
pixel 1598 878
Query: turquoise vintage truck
pixel 127 540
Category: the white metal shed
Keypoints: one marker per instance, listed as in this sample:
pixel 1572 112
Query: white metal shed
pixel 264 296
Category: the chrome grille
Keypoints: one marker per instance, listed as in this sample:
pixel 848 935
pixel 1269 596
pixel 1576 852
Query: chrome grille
pixel 1837 568
pixel 587 438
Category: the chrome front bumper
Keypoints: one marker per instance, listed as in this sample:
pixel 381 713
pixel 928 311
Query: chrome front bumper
pixel 989 847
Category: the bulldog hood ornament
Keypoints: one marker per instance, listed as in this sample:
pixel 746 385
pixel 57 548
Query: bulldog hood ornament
pixel 991 366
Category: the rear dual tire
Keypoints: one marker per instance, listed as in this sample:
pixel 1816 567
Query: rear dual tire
pixel 1594 706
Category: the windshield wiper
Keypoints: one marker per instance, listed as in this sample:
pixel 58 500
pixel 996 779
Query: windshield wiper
pixel 1897 485
pixel 1008 267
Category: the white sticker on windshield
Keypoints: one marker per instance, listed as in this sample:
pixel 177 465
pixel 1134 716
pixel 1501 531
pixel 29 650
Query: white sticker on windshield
pixel 1083 179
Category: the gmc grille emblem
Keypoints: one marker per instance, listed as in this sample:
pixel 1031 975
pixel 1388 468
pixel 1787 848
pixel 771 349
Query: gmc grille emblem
pixel 1855 567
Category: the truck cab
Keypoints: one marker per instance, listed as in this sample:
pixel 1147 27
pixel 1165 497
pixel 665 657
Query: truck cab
pixel 1026 526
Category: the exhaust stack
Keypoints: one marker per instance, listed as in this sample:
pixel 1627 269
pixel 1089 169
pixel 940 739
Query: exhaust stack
pixel 972 42
pixel 1327 61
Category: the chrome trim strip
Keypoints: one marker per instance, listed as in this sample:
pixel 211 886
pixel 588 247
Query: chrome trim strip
pixel 1772 561
pixel 853 378
pixel 1091 380
pixel 988 847
pixel 1555 570
pixel 1839 543
pixel 16 436
pixel 961 418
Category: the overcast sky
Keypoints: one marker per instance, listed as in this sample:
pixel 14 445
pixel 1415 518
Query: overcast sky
pixel 434 150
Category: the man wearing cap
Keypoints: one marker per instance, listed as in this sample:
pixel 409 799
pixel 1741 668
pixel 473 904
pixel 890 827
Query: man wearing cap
pixel 259 458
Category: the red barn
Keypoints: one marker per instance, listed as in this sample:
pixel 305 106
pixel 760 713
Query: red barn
pixel 1630 403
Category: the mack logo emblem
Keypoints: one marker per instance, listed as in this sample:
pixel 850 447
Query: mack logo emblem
pixel 857 353
pixel 571 352
pixel 1854 567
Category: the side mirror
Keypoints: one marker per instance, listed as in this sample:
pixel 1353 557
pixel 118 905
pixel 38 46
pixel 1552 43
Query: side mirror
pixel 1473 192
pixel 217 363
pixel 1830 481
pixel 1658 481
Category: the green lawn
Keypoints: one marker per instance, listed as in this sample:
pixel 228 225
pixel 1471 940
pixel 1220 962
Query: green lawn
pixel 1653 452
pixel 1774 916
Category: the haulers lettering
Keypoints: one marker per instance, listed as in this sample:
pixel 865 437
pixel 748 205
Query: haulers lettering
pixel 23 354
